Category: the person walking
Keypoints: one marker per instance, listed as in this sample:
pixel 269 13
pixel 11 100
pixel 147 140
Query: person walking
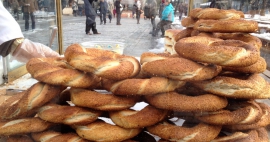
pixel 15 7
pixel 29 7
pixel 118 7
pixel 90 14
pixel 138 10
pixel 166 18
pixel 181 10
pixel 152 4
pixel 110 11
pixel 75 8
pixel 103 8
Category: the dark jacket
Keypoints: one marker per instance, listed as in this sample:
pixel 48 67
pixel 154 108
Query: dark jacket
pixel 32 8
pixel 89 12
pixel 103 7
pixel 153 8
pixel 117 6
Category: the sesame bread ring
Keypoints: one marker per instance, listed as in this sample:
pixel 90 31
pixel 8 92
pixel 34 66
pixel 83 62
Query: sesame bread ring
pixel 216 14
pixel 263 122
pixel 69 115
pixel 57 71
pixel 226 26
pixel 217 51
pixel 245 37
pixel 251 135
pixel 23 126
pixel 182 34
pixel 101 131
pixel 104 63
pixel 25 103
pixel 149 86
pixel 53 136
pixel 178 68
pixel 183 103
pixel 198 133
pixel 101 101
pixel 258 67
pixel 133 119
pixel 247 113
pixel 243 86
pixel 188 22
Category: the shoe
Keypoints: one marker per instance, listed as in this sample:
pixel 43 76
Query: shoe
pixel 88 33
pixel 118 24
pixel 104 23
pixel 150 32
pixel 96 33
pixel 26 29
pixel 161 35
pixel 153 35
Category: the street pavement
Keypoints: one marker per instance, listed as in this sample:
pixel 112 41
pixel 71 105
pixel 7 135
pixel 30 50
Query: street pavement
pixel 135 36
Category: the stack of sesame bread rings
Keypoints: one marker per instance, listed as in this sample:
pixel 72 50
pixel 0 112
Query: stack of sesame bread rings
pixel 205 87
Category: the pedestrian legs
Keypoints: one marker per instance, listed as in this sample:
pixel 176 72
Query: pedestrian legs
pixel 118 18
pixel 33 20
pixel 26 18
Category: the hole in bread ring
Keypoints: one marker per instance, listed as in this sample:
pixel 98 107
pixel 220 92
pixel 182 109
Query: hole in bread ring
pixel 180 102
pixel 233 85
pixel 173 132
pixel 57 71
pixel 101 101
pixel 248 113
pixel 133 119
pixel 104 63
pixel 217 51
pixel 102 131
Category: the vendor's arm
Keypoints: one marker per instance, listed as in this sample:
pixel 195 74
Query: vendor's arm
pixel 12 40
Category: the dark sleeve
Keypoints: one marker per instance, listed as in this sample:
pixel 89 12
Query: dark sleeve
pixel 5 48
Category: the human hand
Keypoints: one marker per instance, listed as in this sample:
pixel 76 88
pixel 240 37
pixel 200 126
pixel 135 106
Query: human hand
pixel 29 49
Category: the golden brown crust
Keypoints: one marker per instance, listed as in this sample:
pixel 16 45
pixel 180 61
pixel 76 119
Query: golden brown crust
pixel 133 119
pixel 249 113
pixel 98 101
pixel 53 136
pixel 264 121
pixel 103 63
pixel 183 103
pixel 241 86
pixel 245 37
pixel 178 68
pixel 217 51
pixel 101 131
pixel 258 67
pixel 23 126
pixel 188 22
pixel 25 103
pixel 57 71
pixel 177 133
pixel 149 86
pixel 216 14
pixel 69 115
pixel 182 34
pixel 226 26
